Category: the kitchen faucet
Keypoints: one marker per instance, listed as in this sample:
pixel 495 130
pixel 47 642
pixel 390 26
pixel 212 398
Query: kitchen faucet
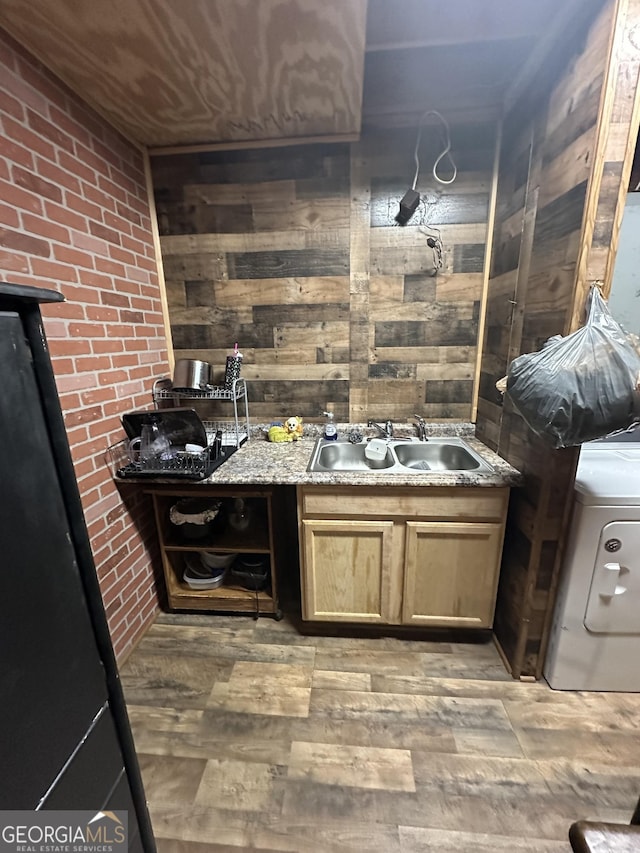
pixel 386 431
pixel 421 427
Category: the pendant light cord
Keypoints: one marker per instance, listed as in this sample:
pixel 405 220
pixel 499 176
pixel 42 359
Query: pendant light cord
pixel 444 153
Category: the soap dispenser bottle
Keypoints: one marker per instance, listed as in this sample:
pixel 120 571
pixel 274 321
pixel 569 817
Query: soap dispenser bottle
pixel 330 431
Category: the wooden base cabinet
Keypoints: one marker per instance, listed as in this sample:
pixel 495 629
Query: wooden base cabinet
pixel 401 556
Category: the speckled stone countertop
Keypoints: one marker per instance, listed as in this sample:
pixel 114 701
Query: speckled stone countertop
pixel 262 462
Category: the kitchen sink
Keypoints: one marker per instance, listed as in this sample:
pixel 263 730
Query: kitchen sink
pixel 402 457
pixel 435 456
pixel 342 456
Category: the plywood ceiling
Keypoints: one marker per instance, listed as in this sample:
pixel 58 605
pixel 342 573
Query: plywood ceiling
pixel 171 73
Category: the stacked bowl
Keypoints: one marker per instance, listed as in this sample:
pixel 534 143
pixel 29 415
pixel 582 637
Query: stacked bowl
pixel 206 570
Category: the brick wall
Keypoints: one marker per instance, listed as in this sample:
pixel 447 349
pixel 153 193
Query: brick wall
pixel 74 216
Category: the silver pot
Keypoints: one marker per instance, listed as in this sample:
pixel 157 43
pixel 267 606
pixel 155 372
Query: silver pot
pixel 191 374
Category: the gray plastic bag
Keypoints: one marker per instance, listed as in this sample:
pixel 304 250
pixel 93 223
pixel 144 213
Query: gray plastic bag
pixel 579 387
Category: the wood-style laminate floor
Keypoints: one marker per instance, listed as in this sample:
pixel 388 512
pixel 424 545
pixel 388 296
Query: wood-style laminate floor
pixel 253 737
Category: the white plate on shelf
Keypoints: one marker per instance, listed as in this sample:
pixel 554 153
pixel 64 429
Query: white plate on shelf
pixel 198 576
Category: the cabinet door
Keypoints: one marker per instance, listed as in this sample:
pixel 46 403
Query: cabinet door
pixel 346 570
pixel 451 573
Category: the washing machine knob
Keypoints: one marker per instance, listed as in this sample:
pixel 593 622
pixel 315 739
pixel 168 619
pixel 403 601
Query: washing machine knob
pixel 612 545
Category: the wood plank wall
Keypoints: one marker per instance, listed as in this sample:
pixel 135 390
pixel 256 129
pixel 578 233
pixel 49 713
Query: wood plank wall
pixel 613 158
pixel 295 253
pixel 543 179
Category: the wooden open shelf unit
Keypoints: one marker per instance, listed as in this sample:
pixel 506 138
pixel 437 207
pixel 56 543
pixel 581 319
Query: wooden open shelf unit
pixel 258 538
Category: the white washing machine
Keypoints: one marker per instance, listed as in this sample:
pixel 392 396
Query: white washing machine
pixel 595 636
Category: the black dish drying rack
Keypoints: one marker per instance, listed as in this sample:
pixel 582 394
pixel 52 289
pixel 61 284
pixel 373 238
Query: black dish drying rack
pixel 180 465
pixel 183 461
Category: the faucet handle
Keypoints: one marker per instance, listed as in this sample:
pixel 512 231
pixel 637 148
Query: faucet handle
pixel 386 430
pixel 421 428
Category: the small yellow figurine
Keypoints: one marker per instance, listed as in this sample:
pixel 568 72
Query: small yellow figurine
pixel 291 430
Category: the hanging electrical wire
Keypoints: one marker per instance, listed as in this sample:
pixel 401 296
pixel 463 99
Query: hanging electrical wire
pixel 435 244
pixel 445 153
pixel 411 199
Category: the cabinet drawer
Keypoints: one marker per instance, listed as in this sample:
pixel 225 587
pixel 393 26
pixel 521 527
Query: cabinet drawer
pixel 436 503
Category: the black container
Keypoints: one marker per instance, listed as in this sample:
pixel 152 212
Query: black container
pixel 250 571
pixel 196 519
pixel 232 371
pixel 181 426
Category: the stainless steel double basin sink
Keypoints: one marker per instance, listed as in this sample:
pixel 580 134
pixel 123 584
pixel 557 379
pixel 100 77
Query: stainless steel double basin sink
pixel 401 457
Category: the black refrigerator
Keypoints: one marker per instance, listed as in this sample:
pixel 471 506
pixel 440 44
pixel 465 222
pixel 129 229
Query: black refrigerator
pixel 66 741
